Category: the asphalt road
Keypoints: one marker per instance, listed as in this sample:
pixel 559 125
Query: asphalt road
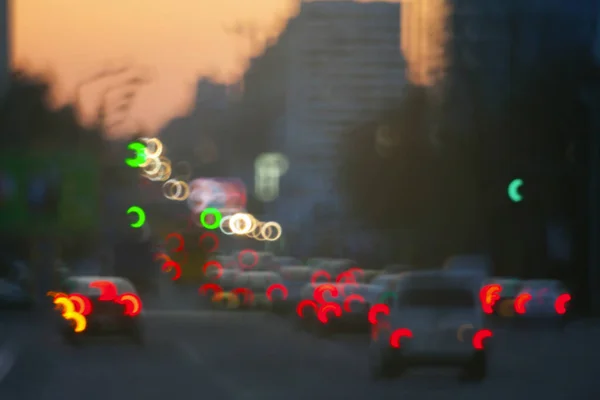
pixel 233 355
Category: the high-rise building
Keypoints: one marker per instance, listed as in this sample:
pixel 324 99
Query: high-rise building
pixel 4 46
pixel 424 33
pixel 344 67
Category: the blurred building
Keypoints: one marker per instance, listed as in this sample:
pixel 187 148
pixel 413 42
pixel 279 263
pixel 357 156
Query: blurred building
pixel 335 65
pixel 495 42
pixel 424 34
pixel 4 46
pixel 195 138
pixel 345 67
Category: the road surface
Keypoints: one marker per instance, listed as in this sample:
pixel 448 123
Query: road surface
pixel 233 355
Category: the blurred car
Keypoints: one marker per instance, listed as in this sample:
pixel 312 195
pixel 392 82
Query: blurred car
pixel 224 298
pixel 368 275
pixel 250 289
pixel 215 273
pixel 434 320
pixel 317 262
pixel 504 290
pixel 287 261
pixel 294 278
pixel 335 266
pixel 382 286
pixel 15 284
pixel 543 300
pixel 348 308
pixel 107 317
pixel 256 260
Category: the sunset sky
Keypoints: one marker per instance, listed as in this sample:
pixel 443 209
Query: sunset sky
pixel 179 40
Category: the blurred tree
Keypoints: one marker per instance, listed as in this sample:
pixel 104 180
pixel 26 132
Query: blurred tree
pixel 550 124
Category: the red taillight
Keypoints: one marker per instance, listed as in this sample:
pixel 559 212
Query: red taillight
pixel 397 334
pixel 489 295
pixel 561 302
pixel 83 305
pixel 322 314
pixel 132 303
pixel 479 336
pixel 376 309
pixel 520 302
pixel 276 286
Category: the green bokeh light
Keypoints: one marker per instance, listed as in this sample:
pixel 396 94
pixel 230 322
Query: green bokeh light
pixel 140 154
pixel 211 211
pixel 141 216
pixel 513 190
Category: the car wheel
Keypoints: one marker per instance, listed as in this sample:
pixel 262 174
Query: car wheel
pixel 476 368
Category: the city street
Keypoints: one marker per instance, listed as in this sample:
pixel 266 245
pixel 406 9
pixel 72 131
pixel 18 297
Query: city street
pixel 234 355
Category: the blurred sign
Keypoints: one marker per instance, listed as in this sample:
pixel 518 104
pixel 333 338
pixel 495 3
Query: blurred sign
pixel 48 193
pixel 268 169
pixel 228 195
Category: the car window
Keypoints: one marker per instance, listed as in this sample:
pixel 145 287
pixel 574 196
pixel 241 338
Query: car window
pixel 442 297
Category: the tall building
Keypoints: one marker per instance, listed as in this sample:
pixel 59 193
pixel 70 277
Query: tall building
pixel 344 67
pixel 494 42
pixel 4 46
pixel 424 33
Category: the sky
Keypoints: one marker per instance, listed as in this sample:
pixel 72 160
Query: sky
pixel 173 41
pixel 176 41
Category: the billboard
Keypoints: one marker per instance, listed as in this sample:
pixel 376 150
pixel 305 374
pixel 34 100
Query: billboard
pixel 228 195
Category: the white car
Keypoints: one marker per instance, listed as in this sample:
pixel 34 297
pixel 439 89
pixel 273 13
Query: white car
pixel 434 319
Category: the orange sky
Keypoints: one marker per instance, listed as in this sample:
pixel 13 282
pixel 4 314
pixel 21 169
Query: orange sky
pixel 178 39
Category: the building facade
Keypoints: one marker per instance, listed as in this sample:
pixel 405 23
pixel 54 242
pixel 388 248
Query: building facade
pixel 344 67
pixel 424 34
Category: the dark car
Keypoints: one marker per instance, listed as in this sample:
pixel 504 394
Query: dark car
pixel 107 317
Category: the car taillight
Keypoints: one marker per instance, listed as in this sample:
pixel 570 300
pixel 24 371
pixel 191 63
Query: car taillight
pixel 561 302
pixel 520 302
pixel 397 334
pixel 479 336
